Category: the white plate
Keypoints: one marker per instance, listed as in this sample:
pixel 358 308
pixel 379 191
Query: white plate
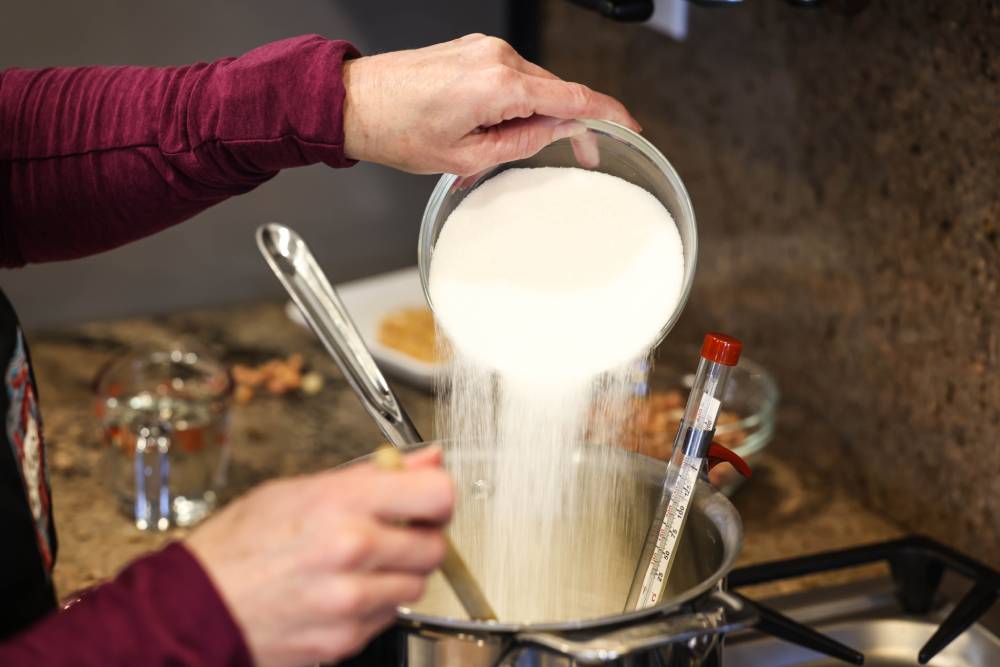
pixel 368 300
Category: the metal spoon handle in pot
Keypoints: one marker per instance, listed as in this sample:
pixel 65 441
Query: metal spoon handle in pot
pixel 294 265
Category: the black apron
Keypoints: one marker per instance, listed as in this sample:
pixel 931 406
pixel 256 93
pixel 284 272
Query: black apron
pixel 27 533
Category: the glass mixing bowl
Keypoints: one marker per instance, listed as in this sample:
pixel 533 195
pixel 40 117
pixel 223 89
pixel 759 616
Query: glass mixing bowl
pixel 746 422
pixel 605 147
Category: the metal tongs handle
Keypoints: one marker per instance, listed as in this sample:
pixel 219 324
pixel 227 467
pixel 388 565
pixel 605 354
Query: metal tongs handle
pixel 294 265
pixel 290 259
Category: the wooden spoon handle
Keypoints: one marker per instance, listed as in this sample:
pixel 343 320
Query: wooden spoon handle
pixel 454 567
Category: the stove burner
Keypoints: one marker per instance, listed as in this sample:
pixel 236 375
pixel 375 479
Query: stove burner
pixel 917 565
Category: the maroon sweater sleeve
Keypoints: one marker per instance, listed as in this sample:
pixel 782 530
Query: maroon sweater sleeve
pixel 95 157
pixel 160 611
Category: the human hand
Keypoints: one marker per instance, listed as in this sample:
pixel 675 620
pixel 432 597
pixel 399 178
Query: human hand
pixel 461 107
pixel 313 567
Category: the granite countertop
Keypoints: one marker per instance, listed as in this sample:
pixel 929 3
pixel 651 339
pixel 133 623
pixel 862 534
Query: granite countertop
pixel 792 506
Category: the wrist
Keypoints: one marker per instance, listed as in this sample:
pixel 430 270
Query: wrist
pixel 356 131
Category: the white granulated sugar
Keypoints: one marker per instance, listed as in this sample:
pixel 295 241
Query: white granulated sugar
pixel 546 273
pixel 550 285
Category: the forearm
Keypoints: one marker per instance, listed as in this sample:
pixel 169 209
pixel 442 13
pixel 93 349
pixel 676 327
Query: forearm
pixel 161 610
pixel 94 157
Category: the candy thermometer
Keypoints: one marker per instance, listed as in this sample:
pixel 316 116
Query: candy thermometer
pixel 719 353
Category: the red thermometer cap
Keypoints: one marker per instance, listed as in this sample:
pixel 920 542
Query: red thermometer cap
pixel 721 349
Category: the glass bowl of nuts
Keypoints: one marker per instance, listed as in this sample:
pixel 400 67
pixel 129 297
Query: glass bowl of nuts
pixel 745 424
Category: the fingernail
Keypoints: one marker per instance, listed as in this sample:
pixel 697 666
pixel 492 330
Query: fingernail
pixel 567 129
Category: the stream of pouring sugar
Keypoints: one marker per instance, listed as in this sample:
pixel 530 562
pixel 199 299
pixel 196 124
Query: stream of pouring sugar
pixel 549 284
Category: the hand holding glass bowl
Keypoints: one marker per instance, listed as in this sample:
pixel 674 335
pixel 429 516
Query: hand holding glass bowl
pixel 600 146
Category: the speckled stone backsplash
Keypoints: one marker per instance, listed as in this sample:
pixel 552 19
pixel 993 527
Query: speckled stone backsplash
pixel 845 172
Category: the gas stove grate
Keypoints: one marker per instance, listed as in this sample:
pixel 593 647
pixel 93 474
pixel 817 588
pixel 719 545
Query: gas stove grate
pixel 917 565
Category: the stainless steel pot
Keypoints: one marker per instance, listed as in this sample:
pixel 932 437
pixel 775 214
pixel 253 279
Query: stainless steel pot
pixel 679 632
